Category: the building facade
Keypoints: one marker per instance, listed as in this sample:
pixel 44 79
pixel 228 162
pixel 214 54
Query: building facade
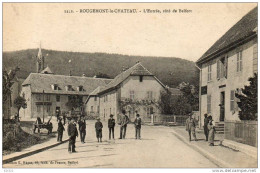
pixel 226 68
pixel 47 93
pixel 135 90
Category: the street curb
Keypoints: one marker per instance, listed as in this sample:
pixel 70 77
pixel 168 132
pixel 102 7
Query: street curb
pixel 246 149
pixel 220 163
pixel 33 152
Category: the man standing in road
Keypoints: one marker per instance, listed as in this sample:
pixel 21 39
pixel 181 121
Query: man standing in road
pixel 73 133
pixel 190 127
pixel 111 126
pixel 206 122
pixel 123 125
pixel 60 130
pixel 138 125
pixel 82 129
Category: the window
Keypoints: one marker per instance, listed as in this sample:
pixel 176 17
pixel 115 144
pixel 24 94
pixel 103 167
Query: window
pixel 48 97
pixel 95 98
pixel 57 98
pixel 110 111
pixel 232 100
pixel 222 65
pixel 38 108
pixel 97 109
pixel 92 109
pixel 141 78
pixel 149 110
pixel 209 72
pixel 69 88
pixel 80 88
pixel 48 108
pixel 209 104
pixel 38 97
pixel 149 95
pixel 132 95
pixel 104 98
pixel 239 61
pixel 55 87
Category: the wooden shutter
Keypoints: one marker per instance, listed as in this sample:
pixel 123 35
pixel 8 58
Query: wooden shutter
pixel 218 69
pixel 209 103
pixel 226 66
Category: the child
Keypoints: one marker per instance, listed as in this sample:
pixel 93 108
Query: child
pixel 99 127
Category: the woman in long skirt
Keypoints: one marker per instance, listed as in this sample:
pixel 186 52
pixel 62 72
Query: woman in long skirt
pixel 211 127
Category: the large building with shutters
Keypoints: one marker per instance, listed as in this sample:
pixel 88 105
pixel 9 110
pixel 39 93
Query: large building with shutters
pixel 226 67
pixel 135 90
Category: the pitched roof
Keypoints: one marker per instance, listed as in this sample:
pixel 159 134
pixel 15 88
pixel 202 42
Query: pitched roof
pixel 243 29
pixel 47 70
pixel 137 70
pixel 40 82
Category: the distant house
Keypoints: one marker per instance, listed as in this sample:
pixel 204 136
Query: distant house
pixel 136 90
pixel 47 93
pixel 226 67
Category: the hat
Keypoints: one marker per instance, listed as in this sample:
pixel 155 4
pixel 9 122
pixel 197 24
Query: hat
pixel 98 118
pixel 111 115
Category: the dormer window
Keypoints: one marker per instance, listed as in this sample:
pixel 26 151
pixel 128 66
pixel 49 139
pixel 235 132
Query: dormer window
pixel 141 78
pixel 55 87
pixel 69 88
pixel 80 88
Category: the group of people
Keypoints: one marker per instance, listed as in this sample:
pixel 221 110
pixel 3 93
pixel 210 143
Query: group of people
pixel 209 128
pixel 73 131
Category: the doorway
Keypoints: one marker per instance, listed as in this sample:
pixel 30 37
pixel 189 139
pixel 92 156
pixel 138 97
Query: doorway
pixel 222 106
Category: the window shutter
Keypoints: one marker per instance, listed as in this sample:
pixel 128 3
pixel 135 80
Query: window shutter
pixel 226 66
pixel 241 61
pixel 218 70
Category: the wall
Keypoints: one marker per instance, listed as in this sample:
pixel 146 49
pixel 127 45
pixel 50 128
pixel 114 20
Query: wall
pixel 95 104
pixel 109 106
pixel 234 80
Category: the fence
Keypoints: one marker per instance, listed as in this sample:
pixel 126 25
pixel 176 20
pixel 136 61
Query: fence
pixel 242 131
pixel 176 119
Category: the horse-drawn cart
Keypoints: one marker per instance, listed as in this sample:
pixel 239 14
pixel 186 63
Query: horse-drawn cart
pixel 39 125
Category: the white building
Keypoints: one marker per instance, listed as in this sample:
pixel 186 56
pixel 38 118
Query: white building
pixel 226 67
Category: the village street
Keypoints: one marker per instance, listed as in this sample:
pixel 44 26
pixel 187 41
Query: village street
pixel 158 148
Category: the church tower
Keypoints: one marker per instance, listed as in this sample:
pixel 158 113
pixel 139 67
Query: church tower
pixel 40 60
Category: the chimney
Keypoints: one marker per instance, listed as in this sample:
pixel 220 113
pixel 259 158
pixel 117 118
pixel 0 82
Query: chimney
pixel 83 75
pixel 95 76
pixel 137 62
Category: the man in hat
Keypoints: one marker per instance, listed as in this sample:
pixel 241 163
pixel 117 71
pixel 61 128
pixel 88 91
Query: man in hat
pixel 98 127
pixel 60 130
pixel 82 129
pixel 138 125
pixel 190 126
pixel 111 126
pixel 206 122
pixel 123 124
pixel 72 133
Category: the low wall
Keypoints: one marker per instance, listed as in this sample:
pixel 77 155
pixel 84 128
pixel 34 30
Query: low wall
pixel 242 131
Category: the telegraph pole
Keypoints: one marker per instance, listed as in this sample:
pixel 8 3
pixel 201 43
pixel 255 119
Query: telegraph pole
pixel 43 106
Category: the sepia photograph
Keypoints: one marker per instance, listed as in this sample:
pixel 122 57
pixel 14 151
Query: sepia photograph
pixel 130 85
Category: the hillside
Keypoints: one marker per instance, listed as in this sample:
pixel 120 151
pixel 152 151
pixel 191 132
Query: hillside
pixel 170 71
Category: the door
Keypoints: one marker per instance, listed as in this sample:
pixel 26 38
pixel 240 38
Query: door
pixel 222 106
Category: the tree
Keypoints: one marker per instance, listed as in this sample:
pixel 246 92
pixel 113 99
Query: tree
pixel 165 102
pixel 7 78
pixel 74 102
pixel 181 105
pixel 191 93
pixel 19 103
pixel 248 100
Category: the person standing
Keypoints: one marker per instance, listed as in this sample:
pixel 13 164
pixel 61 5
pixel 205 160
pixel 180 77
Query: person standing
pixel 60 130
pixel 206 130
pixel 211 127
pixel 64 118
pixel 73 133
pixel 123 125
pixel 190 127
pixel 82 129
pixel 138 124
pixel 111 126
pixel 98 127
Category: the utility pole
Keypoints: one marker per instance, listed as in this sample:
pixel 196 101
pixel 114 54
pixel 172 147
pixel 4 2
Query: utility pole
pixel 43 106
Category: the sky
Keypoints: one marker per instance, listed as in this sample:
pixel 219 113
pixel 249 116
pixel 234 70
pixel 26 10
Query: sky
pixel 182 35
